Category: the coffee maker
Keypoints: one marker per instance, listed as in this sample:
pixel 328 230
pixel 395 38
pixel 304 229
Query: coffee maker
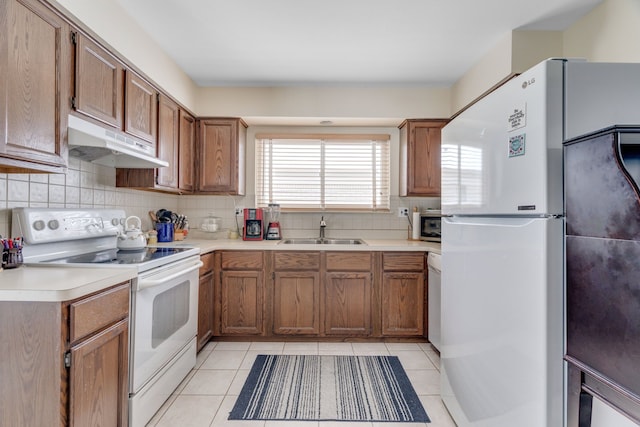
pixel 273 229
pixel 253 224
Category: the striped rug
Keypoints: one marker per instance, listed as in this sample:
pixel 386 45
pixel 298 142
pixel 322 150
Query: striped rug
pixel 328 388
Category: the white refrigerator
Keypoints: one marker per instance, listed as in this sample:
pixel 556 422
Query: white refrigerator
pixel 502 336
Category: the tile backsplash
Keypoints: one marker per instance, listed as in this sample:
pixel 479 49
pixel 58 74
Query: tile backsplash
pixel 86 185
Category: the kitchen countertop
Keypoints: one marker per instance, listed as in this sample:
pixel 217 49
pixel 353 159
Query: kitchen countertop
pixel 56 284
pixel 209 245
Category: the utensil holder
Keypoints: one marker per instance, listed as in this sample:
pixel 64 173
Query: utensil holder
pixel 165 231
pixel 11 258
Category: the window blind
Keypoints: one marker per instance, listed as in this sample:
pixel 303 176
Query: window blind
pixel 337 173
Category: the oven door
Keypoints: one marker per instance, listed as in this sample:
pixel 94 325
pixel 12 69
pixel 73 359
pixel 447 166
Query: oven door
pixel 164 317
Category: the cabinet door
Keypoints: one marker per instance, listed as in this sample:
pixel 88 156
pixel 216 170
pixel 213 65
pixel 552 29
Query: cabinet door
pixel 99 379
pixel 241 302
pixel 168 134
pixel 141 108
pixel 99 83
pixel 205 310
pixel 221 156
pixel 35 70
pixel 403 303
pixel 205 299
pixel 296 306
pixel 347 303
pixel 187 146
pixel 420 158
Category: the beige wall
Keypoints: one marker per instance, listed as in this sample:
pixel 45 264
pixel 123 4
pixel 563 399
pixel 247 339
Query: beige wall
pixel 610 33
pixel 321 101
pixel 514 53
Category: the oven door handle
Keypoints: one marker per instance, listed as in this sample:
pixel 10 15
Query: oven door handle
pixel 147 283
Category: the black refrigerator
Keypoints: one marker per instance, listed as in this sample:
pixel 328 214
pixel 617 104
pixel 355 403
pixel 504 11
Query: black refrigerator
pixel 602 203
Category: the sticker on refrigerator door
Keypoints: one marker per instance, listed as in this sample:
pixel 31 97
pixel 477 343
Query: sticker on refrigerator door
pixel 517 118
pixel 516 145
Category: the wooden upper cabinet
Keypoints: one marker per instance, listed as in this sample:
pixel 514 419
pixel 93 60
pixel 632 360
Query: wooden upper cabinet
pixel 420 157
pixel 176 145
pixel 99 83
pixel 105 90
pixel 35 70
pixel 141 107
pixel 221 156
pixel 168 141
pixel 187 150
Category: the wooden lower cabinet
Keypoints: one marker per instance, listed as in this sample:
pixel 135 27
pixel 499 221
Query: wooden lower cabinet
pixel 296 303
pixel 315 294
pixel 403 294
pixel 296 293
pixel 348 288
pixel 239 306
pixel 205 300
pixel 347 304
pixel 66 363
pixel 99 385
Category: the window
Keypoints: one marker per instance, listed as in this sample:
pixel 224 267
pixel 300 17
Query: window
pixel 323 172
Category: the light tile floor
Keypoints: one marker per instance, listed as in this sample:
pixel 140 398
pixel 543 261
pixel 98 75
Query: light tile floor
pixel 207 395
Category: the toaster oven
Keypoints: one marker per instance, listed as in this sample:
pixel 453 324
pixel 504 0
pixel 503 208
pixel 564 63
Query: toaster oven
pixel 430 222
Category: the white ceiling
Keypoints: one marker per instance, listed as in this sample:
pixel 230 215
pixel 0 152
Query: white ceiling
pixel 339 42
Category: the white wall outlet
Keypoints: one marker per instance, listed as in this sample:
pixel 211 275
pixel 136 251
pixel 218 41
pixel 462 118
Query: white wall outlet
pixel 239 210
pixel 403 212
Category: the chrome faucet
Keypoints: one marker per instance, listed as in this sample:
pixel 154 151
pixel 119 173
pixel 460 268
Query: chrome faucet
pixel 323 225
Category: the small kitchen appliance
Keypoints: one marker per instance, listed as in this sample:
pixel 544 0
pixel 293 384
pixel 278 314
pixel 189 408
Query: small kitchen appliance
pixel 273 230
pixel 430 222
pixel 253 224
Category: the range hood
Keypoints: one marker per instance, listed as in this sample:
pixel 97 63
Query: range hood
pixel 93 143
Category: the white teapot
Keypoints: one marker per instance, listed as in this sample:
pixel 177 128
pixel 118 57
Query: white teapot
pixel 132 237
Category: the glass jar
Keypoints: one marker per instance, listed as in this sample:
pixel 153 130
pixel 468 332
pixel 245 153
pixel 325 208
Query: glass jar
pixel 211 223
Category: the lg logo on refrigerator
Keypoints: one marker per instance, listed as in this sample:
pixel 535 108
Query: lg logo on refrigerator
pixel 529 82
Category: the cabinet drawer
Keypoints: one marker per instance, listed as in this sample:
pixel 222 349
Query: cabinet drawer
pixel 297 260
pixel 207 260
pixel 91 314
pixel 403 261
pixel 241 260
pixel 349 261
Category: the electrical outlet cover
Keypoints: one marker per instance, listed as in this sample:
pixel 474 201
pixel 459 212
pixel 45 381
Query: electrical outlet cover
pixel 403 212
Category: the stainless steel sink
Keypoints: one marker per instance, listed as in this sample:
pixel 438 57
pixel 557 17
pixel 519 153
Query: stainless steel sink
pixel 301 241
pixel 322 241
pixel 343 242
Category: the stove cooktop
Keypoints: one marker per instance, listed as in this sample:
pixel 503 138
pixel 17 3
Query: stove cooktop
pixel 119 256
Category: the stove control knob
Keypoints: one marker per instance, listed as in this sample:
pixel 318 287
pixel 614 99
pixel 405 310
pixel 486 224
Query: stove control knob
pixel 53 224
pixel 115 221
pixel 38 225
